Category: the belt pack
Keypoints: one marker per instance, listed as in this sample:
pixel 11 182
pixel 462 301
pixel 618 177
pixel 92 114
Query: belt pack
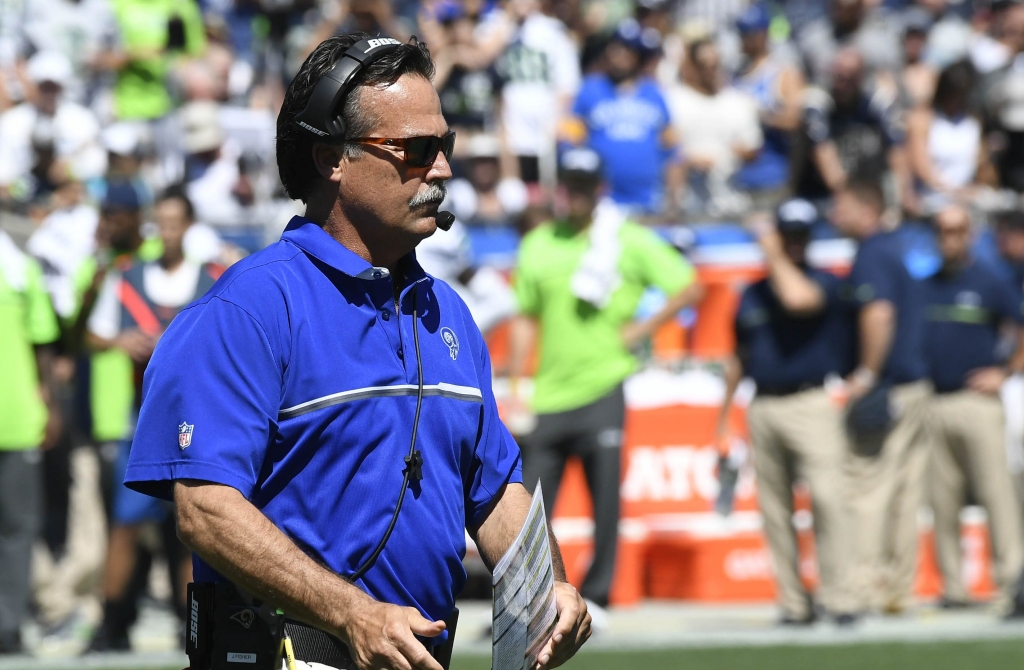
pixel 230 632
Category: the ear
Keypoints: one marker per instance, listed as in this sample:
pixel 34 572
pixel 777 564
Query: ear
pixel 329 161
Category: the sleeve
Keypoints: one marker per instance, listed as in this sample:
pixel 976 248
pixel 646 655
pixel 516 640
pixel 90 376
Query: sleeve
pixel 1009 305
pixel 105 319
pixel 584 102
pixel 816 124
pixel 210 400
pixel 496 459
pixel 525 285
pixel 748 132
pixel 566 65
pixel 40 319
pixel 662 266
pixel 893 122
pixel 873 277
pixel 195 30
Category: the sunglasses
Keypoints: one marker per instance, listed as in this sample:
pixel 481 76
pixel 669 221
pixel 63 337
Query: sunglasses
pixel 419 151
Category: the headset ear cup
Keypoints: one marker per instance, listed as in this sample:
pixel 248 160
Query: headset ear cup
pixel 336 128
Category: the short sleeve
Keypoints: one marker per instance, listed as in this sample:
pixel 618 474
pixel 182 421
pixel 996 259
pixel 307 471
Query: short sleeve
pixel 525 285
pixel 873 277
pixel 816 124
pixel 584 101
pixel 40 319
pixel 662 266
pixel 1009 305
pixel 211 396
pixel 496 459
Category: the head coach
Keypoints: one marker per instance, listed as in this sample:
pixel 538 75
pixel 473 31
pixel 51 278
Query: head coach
pixel 323 418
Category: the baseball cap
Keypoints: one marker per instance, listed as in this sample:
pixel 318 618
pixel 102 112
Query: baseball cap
pixel 200 125
pixel 121 196
pixel 754 20
pixel 484 145
pixel 121 139
pixel 917 20
pixel 795 216
pixel 579 164
pixel 50 66
pixel 642 40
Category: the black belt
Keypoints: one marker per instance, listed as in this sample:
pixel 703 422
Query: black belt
pixel 778 391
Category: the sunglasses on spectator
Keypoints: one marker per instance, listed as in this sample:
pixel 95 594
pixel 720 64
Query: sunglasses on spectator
pixel 419 151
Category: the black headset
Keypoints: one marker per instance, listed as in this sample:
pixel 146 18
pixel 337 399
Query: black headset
pixel 323 113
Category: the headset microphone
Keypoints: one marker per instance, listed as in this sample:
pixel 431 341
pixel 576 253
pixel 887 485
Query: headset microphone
pixel 444 220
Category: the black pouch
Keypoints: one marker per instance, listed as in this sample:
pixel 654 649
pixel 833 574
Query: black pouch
pixel 229 632
pixel 870 419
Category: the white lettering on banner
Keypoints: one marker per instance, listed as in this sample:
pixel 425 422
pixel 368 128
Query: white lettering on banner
pixel 744 565
pixel 676 473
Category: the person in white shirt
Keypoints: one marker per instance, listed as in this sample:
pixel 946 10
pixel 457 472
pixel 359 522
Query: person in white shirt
pixel 719 128
pixel 51 140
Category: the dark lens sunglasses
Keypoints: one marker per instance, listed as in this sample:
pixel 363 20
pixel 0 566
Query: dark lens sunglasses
pixel 419 151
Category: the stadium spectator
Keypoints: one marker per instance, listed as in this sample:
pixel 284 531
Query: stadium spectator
pixel 889 452
pixel 1009 229
pixel 719 129
pixel 994 40
pixel 792 335
pixel 150 35
pixel 1002 95
pixel 621 114
pixel 580 279
pixel 481 197
pixel 850 24
pixel 220 190
pixel 918 75
pixel 776 84
pixel 539 65
pixel 949 36
pixel 944 141
pixel 967 303
pixel 134 307
pixel 27 327
pixel 49 141
pixel 848 134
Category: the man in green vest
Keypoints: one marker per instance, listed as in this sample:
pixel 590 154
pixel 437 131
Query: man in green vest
pixel 27 326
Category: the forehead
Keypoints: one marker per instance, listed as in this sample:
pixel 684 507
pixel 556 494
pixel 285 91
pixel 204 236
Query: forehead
pixel 408 108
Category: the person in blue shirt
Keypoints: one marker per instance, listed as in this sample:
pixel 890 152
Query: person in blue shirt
pixel 322 378
pixel 966 304
pixel 621 114
pixel 887 461
pixel 791 338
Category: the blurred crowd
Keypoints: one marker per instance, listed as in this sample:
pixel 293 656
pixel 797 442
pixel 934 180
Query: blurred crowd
pixel 137 137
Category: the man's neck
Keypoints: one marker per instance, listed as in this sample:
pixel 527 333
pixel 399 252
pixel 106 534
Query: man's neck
pixel 377 252
pixel 171 261
pixel 954 266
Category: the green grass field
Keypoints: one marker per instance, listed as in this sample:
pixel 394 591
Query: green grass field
pixel 991 655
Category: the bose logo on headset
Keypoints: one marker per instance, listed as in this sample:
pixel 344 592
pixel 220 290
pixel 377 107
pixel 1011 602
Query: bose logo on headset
pixel 312 129
pixel 379 42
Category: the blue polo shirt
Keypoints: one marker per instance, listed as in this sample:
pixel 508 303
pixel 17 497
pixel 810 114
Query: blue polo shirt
pixel 294 381
pixel 892 267
pixel 782 351
pixel 965 309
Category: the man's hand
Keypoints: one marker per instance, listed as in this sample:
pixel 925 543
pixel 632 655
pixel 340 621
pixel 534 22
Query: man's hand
pixel 382 636
pixel 986 380
pixel 633 333
pixel 571 631
pixel 136 344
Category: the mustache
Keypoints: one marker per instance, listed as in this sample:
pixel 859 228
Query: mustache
pixel 435 192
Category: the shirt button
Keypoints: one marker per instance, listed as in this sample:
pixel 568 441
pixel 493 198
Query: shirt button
pixel 400 354
pixel 386 315
pixel 376 274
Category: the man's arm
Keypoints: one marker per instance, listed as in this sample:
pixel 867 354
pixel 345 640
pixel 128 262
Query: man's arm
pixel 876 327
pixel 798 294
pixel 238 541
pixel 636 332
pixel 496 534
pixel 733 375
pixel 826 159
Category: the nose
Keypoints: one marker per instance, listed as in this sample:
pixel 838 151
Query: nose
pixel 441 168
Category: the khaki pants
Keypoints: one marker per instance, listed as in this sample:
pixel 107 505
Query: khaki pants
pixel 886 497
pixel 801 436
pixel 970 454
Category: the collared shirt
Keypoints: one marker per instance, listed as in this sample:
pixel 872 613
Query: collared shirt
pixel 965 310
pixel 891 267
pixel 294 381
pixel 781 350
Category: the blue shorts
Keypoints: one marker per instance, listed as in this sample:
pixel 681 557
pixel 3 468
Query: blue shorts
pixel 131 507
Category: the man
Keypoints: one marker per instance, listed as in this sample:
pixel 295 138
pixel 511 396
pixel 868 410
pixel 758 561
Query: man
pixel 851 23
pixel 888 394
pixel 579 279
pixel 281 411
pixel 1001 94
pixel 967 302
pixel 719 127
pixel 848 135
pixel 792 335
pixel 27 326
pixel 50 140
pixel 135 305
pixel 621 114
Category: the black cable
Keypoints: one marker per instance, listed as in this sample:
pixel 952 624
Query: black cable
pixel 413 461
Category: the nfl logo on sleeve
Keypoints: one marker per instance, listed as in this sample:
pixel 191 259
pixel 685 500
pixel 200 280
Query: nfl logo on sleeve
pixel 185 434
